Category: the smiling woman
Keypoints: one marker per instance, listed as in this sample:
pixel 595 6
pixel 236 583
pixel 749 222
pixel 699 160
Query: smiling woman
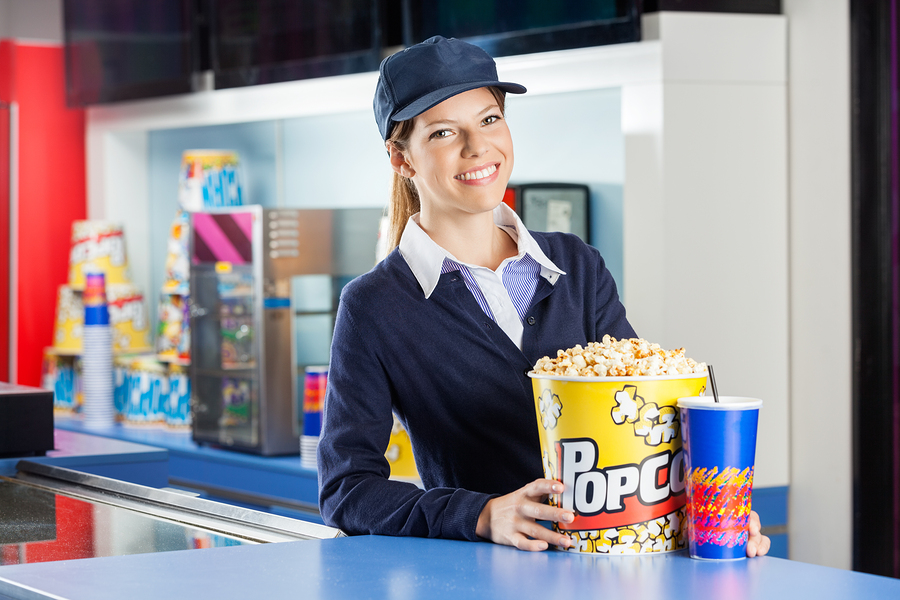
pixel 443 331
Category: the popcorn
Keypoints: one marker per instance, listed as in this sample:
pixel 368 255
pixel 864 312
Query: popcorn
pixel 619 358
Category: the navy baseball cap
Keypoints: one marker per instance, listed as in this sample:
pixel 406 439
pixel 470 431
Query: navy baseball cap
pixel 422 76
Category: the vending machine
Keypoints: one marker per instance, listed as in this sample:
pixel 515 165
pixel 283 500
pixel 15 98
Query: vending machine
pixel 242 358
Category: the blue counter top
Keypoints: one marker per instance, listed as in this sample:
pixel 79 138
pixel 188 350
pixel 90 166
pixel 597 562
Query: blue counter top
pixel 382 567
pixel 278 484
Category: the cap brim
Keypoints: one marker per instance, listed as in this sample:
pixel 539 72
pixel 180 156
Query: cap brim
pixel 434 98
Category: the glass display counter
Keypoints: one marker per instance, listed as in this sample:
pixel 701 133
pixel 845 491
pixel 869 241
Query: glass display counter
pixel 50 513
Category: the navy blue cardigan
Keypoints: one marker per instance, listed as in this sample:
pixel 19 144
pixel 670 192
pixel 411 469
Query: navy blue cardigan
pixel 458 384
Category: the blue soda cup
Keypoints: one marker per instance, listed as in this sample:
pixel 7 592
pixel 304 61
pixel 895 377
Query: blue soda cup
pixel 719 440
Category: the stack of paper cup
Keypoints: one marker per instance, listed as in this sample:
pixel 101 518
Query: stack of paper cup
pixel 313 399
pixel 98 409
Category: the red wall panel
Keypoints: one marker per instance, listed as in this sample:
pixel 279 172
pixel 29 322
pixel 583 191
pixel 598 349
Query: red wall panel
pixel 6 54
pixel 52 194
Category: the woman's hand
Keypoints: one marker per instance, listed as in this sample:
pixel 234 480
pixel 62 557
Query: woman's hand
pixel 511 519
pixel 758 544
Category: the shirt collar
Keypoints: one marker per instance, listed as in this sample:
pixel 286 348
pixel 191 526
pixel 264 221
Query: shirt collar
pixel 425 257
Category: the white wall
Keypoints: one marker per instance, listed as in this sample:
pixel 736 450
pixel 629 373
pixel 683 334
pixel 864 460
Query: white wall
pixel 821 359
pixel 706 209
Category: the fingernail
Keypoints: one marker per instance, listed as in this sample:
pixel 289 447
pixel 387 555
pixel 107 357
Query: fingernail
pixel 556 487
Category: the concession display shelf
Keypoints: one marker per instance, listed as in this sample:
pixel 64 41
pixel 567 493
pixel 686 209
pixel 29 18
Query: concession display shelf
pixel 50 513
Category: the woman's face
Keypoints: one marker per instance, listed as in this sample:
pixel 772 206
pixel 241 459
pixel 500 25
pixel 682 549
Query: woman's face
pixel 460 155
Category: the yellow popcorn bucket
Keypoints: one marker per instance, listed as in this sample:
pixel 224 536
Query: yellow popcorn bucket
pixel 97 246
pixel 400 454
pixel 615 443
pixel 69 322
pixel 128 318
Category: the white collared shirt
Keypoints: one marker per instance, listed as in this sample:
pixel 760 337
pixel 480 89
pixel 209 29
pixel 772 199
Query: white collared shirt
pixel 494 293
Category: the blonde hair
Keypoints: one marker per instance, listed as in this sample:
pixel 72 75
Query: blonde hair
pixel 404 200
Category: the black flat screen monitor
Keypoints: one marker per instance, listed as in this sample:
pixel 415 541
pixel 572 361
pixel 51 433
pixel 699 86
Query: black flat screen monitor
pixel 507 27
pixel 126 49
pixel 268 41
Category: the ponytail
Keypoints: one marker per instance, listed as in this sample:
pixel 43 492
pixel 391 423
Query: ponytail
pixel 404 203
pixel 404 200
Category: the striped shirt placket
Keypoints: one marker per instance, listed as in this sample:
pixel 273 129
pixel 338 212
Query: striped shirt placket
pixel 519 277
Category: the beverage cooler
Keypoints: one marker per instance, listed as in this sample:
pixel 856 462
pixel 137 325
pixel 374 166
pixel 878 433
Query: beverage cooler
pixel 242 324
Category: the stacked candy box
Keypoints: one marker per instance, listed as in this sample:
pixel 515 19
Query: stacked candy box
pixel 150 393
pixel 62 374
pixel 178 268
pixel 173 334
pixel 236 319
pixel 178 407
pixel 237 402
pixel 147 393
pixel 121 375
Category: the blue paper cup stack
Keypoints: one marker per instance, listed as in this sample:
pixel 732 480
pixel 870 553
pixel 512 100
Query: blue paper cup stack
pixel 313 399
pixel 98 410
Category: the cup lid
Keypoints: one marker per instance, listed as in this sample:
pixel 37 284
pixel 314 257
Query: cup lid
pixel 724 403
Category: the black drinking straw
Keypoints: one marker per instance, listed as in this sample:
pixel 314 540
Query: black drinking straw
pixel 712 381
